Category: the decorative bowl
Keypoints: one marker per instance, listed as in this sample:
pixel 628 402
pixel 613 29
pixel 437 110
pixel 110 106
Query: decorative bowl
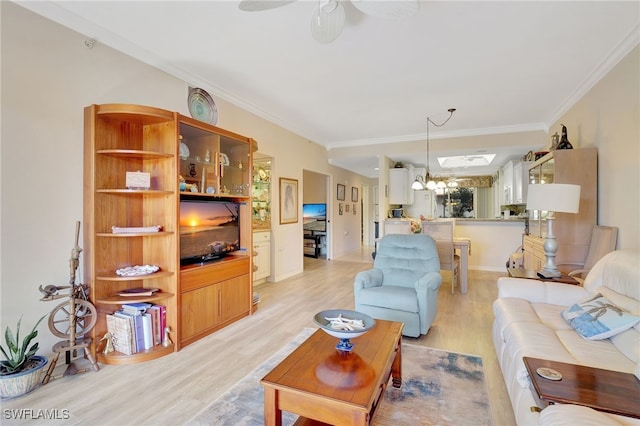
pixel 345 336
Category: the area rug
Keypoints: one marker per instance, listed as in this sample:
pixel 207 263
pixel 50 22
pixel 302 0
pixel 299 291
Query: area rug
pixel 438 388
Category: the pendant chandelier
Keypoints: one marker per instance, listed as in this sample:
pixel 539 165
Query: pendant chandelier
pixel 428 182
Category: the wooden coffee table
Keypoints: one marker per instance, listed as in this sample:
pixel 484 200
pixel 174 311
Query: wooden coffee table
pixel 322 384
pixel 605 390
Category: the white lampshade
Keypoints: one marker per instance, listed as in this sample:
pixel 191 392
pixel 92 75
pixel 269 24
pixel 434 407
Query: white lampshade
pixel 418 184
pixel 554 197
pixel 327 21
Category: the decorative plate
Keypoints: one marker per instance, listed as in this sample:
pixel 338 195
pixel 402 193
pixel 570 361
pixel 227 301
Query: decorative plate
pixel 184 151
pixel 132 271
pixel 201 106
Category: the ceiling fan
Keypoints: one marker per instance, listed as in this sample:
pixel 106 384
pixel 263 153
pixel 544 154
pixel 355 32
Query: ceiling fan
pixel 328 18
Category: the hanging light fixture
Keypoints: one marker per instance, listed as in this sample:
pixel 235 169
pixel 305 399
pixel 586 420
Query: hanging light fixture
pixel 429 182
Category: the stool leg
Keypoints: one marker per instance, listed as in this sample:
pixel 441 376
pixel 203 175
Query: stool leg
pixel 47 376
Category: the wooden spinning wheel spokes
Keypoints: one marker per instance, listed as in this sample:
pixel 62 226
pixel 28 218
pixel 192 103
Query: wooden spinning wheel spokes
pixel 60 319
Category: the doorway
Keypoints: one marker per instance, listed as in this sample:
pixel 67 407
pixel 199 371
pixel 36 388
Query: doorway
pixel 316 217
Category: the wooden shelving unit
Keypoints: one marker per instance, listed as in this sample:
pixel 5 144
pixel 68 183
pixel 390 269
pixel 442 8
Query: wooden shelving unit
pixel 122 138
pixel 118 139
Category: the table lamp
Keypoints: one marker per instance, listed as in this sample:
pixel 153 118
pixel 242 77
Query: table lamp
pixel 554 198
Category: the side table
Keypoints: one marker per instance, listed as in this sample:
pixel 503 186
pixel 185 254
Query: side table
pixel 605 390
pixel 532 274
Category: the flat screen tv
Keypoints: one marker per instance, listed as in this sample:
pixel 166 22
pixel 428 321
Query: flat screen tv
pixel 209 230
pixel 314 217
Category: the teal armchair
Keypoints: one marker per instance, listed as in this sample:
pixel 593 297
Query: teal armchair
pixel 403 284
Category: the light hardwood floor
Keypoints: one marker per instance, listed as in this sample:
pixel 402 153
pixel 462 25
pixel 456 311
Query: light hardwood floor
pixel 170 390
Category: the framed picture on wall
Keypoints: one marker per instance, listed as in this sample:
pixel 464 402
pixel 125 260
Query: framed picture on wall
pixel 288 200
pixel 346 208
pixel 340 208
pixel 354 194
pixel 340 192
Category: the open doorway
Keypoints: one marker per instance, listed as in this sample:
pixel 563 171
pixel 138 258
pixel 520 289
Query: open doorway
pixel 316 221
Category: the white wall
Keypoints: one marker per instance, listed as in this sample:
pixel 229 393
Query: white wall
pixel 608 118
pixel 48 77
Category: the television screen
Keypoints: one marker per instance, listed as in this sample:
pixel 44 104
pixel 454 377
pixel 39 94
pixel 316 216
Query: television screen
pixel 209 230
pixel 314 217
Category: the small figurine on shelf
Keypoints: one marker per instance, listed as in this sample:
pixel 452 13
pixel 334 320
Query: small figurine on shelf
pixel 564 141
pixel 108 347
pixel 166 342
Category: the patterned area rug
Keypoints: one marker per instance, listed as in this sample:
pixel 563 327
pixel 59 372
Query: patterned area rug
pixel 438 388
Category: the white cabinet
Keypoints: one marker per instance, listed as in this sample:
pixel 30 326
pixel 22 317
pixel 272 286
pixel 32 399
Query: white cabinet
pixel 262 255
pixel 507 183
pixel 515 181
pixel 520 181
pixel 400 180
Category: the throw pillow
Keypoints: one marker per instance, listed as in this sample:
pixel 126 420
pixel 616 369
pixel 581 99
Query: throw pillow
pixel 596 318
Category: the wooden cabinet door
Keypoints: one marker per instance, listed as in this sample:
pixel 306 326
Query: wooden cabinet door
pixel 235 298
pixel 199 310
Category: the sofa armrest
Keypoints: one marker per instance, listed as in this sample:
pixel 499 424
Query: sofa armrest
pixel 540 291
pixel 369 278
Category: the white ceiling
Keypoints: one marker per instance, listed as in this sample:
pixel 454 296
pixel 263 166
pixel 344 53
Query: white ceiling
pixel 506 66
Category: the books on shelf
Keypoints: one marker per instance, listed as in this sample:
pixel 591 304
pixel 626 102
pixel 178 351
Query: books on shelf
pixel 136 308
pixel 121 332
pixel 137 327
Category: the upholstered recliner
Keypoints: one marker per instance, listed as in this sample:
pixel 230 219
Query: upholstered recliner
pixel 403 284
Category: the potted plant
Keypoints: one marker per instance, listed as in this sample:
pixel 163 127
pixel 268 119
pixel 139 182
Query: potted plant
pixel 20 371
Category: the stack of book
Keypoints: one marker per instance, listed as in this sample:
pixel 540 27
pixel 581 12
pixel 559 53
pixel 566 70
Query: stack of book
pixel 137 327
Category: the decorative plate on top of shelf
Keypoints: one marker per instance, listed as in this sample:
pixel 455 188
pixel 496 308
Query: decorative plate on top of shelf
pixel 201 106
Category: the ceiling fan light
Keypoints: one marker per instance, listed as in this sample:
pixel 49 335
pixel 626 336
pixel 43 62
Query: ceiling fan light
pixel 431 185
pixel 327 21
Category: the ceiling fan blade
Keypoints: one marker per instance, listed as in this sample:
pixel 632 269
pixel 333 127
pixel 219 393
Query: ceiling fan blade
pixel 260 5
pixel 391 9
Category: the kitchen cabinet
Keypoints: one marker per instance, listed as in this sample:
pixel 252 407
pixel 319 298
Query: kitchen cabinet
pixel 400 180
pixel 520 181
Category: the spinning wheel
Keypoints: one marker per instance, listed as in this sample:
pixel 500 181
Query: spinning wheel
pixel 61 320
pixel 72 319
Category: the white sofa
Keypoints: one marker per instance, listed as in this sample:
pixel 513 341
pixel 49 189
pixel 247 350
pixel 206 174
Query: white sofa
pixel 528 322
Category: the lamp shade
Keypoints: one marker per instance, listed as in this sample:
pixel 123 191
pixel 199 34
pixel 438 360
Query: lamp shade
pixel 554 197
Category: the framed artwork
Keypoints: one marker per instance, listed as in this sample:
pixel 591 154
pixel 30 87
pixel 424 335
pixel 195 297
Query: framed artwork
pixel 354 194
pixel 288 200
pixel 354 208
pixel 340 192
pixel 340 208
pixel 346 208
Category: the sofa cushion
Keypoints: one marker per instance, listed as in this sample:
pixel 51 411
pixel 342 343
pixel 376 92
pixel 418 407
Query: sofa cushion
pixel 390 297
pixel 597 318
pixel 594 353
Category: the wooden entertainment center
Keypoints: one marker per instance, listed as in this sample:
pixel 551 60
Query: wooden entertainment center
pixel 163 146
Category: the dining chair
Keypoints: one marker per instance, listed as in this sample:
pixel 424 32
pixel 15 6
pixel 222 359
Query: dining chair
pixel 603 240
pixel 397 227
pixel 442 232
